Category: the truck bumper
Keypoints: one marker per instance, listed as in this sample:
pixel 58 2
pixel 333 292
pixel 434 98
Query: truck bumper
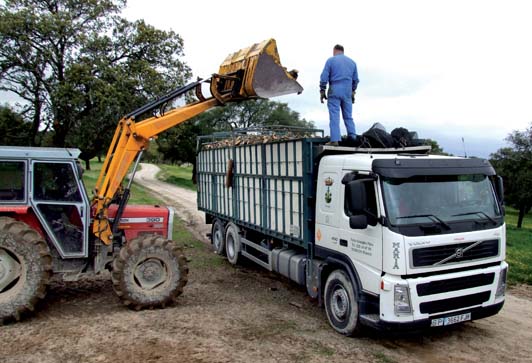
pixel 426 301
pixel 476 313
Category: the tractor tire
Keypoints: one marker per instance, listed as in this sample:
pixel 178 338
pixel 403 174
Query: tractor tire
pixel 25 269
pixel 149 272
pixel 218 237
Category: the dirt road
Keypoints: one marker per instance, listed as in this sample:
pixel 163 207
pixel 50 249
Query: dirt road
pixel 241 314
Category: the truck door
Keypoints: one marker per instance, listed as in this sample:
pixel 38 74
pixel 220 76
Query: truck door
pixel 61 205
pixel 363 246
pixel 328 202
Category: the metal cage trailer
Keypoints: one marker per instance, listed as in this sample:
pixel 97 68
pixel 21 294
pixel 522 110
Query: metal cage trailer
pixel 388 238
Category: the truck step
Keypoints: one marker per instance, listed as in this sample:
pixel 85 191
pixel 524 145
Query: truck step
pixel 256 260
pixel 370 318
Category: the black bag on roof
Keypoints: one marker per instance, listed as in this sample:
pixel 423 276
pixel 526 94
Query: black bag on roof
pixel 402 137
pixel 377 137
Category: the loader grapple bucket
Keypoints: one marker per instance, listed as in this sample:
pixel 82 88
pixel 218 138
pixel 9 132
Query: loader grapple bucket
pixel 260 72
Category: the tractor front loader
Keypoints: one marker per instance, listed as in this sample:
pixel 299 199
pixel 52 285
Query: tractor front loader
pixel 49 225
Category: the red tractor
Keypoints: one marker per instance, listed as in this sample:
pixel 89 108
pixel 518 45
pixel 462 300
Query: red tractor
pixel 49 225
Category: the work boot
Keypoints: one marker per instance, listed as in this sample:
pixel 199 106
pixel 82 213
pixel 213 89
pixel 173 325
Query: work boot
pixel 332 143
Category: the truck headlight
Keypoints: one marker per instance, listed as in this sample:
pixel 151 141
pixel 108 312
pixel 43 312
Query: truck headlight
pixel 401 299
pixel 501 287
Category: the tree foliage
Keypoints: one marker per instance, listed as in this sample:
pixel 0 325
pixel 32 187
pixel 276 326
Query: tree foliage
pixel 436 149
pixel 13 129
pixel 79 67
pixel 179 144
pixel 514 164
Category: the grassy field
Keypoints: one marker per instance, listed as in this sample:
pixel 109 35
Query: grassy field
pixel 178 175
pixel 511 218
pixel 180 233
pixel 519 241
pixel 138 194
pixel 519 248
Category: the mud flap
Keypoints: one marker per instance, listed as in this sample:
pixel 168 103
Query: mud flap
pixel 313 276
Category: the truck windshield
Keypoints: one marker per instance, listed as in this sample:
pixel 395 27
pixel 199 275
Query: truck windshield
pixel 439 199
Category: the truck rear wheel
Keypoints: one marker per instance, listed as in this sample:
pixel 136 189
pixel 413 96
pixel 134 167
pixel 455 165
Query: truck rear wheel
pixel 149 272
pixel 25 268
pixel 341 305
pixel 232 243
pixel 218 237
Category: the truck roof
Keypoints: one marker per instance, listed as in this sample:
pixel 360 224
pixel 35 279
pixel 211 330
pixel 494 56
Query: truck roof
pixel 23 152
pixel 405 165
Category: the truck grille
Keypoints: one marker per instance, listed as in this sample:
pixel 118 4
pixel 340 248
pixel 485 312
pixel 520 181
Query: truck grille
pixel 460 283
pixel 454 253
pixel 455 303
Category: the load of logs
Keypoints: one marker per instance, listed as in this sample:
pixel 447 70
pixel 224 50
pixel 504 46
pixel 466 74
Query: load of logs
pixel 253 139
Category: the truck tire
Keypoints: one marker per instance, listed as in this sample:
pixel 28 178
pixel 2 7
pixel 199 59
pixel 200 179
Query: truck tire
pixel 25 268
pixel 232 243
pixel 218 237
pixel 341 305
pixel 149 272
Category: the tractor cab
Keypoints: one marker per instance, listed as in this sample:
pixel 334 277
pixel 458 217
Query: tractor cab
pixel 46 183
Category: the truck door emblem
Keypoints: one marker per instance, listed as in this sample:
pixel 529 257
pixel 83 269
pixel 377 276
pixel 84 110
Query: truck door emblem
pixel 395 254
pixel 328 195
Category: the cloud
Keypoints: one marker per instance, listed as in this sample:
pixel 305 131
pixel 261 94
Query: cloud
pixel 386 83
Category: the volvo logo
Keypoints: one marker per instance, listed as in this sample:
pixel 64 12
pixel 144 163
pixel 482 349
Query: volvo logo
pixel 459 253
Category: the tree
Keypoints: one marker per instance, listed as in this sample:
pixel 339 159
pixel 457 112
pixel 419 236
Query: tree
pixel 514 164
pixel 110 85
pixel 39 39
pixel 179 143
pixel 436 149
pixel 13 129
pixel 79 67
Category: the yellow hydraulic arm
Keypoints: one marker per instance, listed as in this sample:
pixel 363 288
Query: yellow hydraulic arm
pixel 253 72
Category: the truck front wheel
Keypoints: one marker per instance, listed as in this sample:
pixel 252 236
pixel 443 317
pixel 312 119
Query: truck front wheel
pixel 149 272
pixel 341 305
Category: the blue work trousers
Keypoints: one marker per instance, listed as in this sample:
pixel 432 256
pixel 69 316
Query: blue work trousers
pixel 339 97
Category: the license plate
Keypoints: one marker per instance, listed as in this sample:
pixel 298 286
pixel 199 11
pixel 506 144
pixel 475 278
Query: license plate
pixel 450 320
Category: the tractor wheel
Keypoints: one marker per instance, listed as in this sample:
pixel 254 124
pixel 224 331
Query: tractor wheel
pixel 25 268
pixel 149 272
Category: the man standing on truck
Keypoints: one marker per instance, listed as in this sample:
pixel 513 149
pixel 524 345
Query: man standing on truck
pixel 340 72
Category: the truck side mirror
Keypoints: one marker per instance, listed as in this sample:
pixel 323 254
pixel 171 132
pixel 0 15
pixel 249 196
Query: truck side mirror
pixel 359 221
pixel 355 193
pixel 500 189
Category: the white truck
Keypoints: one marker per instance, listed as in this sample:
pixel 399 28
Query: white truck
pixel 387 238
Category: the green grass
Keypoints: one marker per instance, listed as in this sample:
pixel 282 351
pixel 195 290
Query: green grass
pixel 180 233
pixel 519 241
pixel 511 218
pixel 519 248
pixel 380 357
pixel 138 194
pixel 519 255
pixel 177 175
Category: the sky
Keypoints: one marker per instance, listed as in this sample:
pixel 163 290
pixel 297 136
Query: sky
pixel 447 69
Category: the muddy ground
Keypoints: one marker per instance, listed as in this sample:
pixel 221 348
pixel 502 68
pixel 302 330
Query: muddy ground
pixel 241 314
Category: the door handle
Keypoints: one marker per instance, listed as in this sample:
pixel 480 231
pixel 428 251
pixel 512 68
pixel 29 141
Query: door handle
pixel 343 242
